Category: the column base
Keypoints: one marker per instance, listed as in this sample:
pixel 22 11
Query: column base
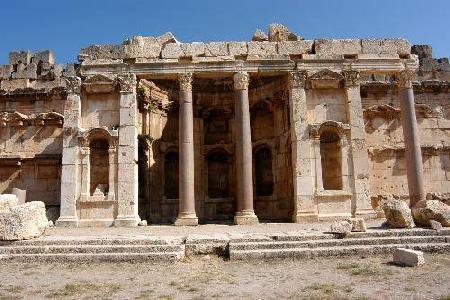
pixel 305 218
pixel 245 218
pixel 126 221
pixel 186 219
pixel 67 221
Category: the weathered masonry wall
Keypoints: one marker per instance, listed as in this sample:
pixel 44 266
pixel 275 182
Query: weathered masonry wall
pixel 275 129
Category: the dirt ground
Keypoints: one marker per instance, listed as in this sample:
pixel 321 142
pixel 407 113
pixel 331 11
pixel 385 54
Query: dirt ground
pixel 214 278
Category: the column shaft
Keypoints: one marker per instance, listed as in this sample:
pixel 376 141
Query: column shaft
pixel 245 213
pixel 413 153
pixel 186 213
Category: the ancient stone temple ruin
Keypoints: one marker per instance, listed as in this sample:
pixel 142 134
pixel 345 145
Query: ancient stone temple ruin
pixel 279 128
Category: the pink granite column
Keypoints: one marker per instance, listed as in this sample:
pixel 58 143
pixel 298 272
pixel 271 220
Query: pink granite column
pixel 413 153
pixel 245 213
pixel 186 213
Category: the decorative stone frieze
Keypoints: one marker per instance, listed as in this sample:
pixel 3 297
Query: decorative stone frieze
pixel 73 84
pixel 325 79
pixel 126 83
pixel 317 128
pixel 241 80
pixel 297 79
pixel 351 78
pixel 405 78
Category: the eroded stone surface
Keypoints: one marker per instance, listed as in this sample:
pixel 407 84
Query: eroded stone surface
pixel 398 214
pixel 408 257
pixel 427 210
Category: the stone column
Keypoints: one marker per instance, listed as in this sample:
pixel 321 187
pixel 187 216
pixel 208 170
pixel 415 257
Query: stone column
pixel 359 169
pixel 413 153
pixel 69 171
pixel 127 152
pixel 186 213
pixel 302 151
pixel 244 182
pixel 112 174
pixel 85 173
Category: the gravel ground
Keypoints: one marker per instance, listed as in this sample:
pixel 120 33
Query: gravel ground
pixel 211 277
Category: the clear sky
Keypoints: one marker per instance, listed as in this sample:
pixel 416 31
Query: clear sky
pixel 67 25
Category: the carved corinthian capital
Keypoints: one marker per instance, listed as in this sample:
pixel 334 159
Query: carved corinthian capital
pixel 73 85
pixel 351 78
pixel 405 78
pixel 185 80
pixel 297 79
pixel 126 83
pixel 241 80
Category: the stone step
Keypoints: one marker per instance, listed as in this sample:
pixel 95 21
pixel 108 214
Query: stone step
pixel 97 257
pixel 338 242
pixel 96 241
pixel 68 249
pixel 333 251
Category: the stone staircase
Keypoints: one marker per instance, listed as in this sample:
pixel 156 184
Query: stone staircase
pixel 81 250
pixel 232 246
pixel 300 246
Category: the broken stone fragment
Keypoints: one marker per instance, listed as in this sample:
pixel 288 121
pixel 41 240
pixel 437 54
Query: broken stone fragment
pixel 408 257
pixel 278 33
pixel 397 213
pixel 25 72
pixel 166 38
pixel 358 224
pixel 6 71
pixel 295 47
pixel 426 210
pixel 25 221
pixel 422 51
pixel 45 56
pixel 260 36
pixel 436 226
pixel 342 228
pixel 20 57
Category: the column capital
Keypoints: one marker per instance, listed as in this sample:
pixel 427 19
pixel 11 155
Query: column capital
pixel 241 80
pixel 185 80
pixel 351 78
pixel 126 83
pixel 405 78
pixel 73 85
pixel 297 79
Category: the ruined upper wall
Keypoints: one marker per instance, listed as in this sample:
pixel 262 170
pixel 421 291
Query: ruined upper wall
pixel 278 43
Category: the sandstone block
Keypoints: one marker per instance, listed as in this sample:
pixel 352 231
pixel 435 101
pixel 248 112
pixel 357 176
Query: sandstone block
pixel 260 36
pixel 397 213
pixel 237 48
pixel 166 38
pixel 20 194
pixel 25 221
pixel 295 47
pixel 386 46
pixel 262 48
pixel 146 50
pixel 358 224
pixel 343 227
pixel 29 72
pixel 408 257
pixel 20 57
pixel 14 84
pixel 6 71
pixel 102 52
pixel 330 48
pixel 7 201
pixel 172 50
pixel 422 51
pixel 216 49
pixel 426 210
pixel 45 56
pixel 193 49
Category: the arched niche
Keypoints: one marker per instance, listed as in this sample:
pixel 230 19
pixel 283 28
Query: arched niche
pixel 99 166
pixel 331 159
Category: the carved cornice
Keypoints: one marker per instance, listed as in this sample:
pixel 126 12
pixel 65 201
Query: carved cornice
pixel 185 80
pixel 48 118
pixel 12 119
pixel 297 79
pixel 241 80
pixel 384 111
pixel 325 79
pixel 351 78
pixel 73 85
pixel 405 78
pixel 316 129
pixel 16 119
pixel 126 83
pixel 97 133
pixel 152 98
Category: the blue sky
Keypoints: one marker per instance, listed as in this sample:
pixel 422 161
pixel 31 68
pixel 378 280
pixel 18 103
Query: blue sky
pixel 66 26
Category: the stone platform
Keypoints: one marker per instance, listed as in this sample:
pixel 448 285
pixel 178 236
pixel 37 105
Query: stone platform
pixel 171 243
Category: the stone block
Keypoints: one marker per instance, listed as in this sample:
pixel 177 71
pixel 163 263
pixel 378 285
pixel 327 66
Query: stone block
pixel 69 70
pixel 127 116
pixel 193 49
pixel 172 50
pixel 166 38
pixel 259 36
pixel 14 84
pixel 426 210
pixel 295 47
pixel 342 228
pixel 20 57
pixel 147 50
pixel 436 226
pixel 69 155
pixel 386 46
pixel 358 224
pixel 7 201
pixel 422 51
pixel 278 32
pixel 20 194
pixel 237 48
pixel 397 213
pixel 262 48
pixel 6 71
pixel 408 257
pixel 29 72
pixel 69 174
pixel 127 154
pixel 330 48
pixel 216 49
pixel 45 56
pixel 128 135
